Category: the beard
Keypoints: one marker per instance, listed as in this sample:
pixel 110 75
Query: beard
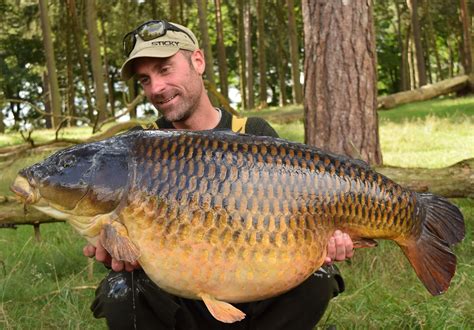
pixel 186 102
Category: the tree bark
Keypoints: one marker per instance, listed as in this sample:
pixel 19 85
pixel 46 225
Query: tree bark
pixel 242 60
pixel 96 60
pixel 206 45
pixel 221 55
pixel 248 55
pixel 420 60
pixel 47 100
pixel 403 42
pixel 13 214
pixel 173 10
pixel 71 107
pixel 340 78
pixel 2 124
pixel 467 42
pixel 109 77
pixel 423 93
pixel 262 63
pixel 54 95
pixel 80 56
pixel 432 39
pixel 294 54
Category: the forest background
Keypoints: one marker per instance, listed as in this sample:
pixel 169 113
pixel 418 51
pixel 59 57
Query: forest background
pixel 256 48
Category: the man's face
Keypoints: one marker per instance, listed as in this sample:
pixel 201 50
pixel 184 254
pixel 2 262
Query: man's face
pixel 173 84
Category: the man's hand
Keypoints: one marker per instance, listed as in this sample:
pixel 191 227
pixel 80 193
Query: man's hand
pixel 101 255
pixel 340 247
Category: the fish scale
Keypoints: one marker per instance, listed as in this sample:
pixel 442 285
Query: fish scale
pixel 226 218
pixel 222 187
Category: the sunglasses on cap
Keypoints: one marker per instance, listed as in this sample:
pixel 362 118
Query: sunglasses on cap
pixel 148 31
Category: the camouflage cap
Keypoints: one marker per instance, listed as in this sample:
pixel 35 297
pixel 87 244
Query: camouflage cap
pixel 165 45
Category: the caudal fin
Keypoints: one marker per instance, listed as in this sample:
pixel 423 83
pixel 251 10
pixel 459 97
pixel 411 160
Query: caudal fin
pixel 430 253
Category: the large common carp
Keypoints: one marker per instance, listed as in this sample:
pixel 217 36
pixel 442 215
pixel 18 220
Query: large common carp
pixel 230 218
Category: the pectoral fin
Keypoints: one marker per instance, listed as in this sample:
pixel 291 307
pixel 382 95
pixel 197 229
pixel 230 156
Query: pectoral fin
pixel 221 310
pixel 364 243
pixel 114 238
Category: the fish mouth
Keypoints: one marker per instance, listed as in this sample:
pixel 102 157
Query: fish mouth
pixel 25 192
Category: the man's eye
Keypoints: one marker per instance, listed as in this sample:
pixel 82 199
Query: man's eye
pixel 143 80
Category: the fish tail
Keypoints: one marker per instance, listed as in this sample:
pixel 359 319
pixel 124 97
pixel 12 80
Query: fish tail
pixel 430 253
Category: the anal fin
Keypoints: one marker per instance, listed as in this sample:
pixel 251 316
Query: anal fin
pixel 221 310
pixel 114 238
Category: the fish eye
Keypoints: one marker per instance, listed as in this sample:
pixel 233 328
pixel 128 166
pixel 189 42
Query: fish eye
pixel 67 161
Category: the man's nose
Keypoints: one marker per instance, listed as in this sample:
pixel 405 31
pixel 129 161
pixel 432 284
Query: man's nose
pixel 157 85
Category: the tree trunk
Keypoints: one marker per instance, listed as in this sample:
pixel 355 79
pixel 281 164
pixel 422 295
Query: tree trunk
pixel 294 54
pixel 242 60
pixel 420 60
pixel 404 43
pixel 206 45
pixel 281 57
pixel 96 60
pixel 427 50
pixel 47 100
pixel 466 37
pixel 426 92
pixel 55 97
pixel 173 9
pixel 281 65
pixel 221 55
pixel 108 76
pixel 432 39
pixel 71 107
pixel 80 56
pixel 2 124
pixel 262 63
pixel 248 55
pixel 340 78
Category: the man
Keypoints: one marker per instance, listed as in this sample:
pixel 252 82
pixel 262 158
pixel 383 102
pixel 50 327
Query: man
pixel 166 60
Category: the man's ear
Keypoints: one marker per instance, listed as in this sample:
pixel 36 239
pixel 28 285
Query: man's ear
pixel 198 61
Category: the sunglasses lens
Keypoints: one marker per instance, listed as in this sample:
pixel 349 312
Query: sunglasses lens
pixel 152 30
pixel 128 43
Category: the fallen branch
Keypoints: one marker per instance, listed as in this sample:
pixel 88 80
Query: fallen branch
pixel 224 102
pixel 12 153
pixel 130 106
pixel 454 181
pixel 426 92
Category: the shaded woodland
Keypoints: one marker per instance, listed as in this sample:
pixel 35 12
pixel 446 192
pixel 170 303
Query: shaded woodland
pixel 63 57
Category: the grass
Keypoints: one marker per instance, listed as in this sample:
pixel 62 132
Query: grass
pixel 45 285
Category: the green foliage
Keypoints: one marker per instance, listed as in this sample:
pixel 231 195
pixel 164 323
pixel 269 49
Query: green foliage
pixel 22 60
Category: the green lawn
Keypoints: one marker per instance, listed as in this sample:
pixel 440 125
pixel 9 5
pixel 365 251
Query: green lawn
pixel 45 285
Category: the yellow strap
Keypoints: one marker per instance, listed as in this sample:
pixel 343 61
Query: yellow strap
pixel 152 125
pixel 238 124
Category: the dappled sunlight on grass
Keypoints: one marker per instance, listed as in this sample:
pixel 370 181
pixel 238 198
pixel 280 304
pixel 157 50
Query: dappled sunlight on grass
pixel 430 142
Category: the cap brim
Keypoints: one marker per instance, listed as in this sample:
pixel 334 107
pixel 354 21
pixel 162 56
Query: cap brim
pixel 126 70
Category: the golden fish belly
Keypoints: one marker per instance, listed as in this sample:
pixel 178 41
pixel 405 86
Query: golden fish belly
pixel 227 260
